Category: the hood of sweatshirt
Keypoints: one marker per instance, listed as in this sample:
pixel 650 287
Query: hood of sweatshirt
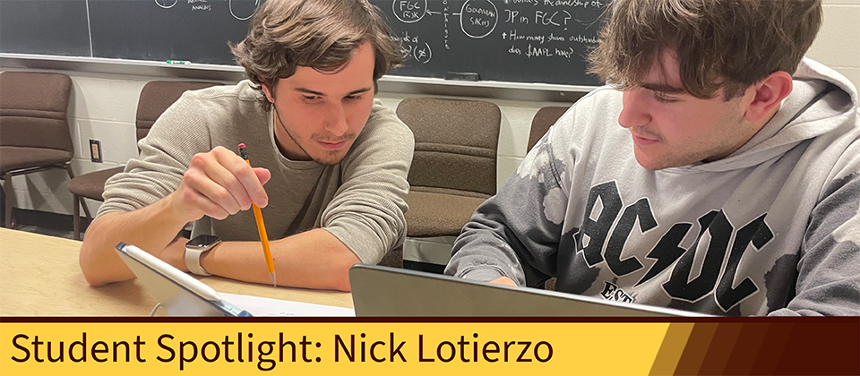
pixel 821 101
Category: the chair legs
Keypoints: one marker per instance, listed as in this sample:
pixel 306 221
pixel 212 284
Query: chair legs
pixel 76 217
pixel 76 209
pixel 10 199
pixel 10 195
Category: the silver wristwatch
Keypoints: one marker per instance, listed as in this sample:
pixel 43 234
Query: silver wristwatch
pixel 195 248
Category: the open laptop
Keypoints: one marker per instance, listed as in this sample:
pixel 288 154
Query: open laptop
pixel 383 291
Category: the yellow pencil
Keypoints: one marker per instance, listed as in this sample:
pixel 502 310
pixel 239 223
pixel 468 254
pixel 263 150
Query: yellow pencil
pixel 261 227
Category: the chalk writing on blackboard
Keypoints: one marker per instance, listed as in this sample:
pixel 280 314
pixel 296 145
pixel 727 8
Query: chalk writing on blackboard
pixel 239 12
pixel 166 4
pixel 502 40
pixel 478 19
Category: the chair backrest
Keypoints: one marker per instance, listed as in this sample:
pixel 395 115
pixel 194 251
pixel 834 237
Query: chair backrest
pixel 544 118
pixel 34 110
pixel 157 96
pixel 455 145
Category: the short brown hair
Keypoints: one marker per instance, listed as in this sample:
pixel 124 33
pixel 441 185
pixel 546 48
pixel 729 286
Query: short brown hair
pixel 721 44
pixel 321 34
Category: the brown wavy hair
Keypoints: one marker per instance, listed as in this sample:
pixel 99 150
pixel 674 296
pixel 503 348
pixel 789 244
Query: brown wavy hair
pixel 720 44
pixel 321 34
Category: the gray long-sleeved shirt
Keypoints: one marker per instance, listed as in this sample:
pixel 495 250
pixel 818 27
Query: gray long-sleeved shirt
pixel 773 228
pixel 360 200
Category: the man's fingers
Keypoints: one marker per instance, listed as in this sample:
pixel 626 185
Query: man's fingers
pixel 252 186
pixel 263 174
pixel 203 204
pixel 222 183
pixel 237 176
pixel 212 180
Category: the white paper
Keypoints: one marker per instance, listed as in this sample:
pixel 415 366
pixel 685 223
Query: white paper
pixel 259 306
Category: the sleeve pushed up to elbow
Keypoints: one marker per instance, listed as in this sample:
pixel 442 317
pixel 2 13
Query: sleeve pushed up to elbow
pixel 367 230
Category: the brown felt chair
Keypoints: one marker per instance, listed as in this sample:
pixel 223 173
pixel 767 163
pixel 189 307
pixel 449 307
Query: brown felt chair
pixel 394 258
pixel 454 167
pixel 34 127
pixel 543 120
pixel 155 97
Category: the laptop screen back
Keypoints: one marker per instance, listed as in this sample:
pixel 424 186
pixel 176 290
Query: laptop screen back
pixel 383 291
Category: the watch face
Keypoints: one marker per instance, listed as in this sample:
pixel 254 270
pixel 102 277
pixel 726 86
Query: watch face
pixel 202 241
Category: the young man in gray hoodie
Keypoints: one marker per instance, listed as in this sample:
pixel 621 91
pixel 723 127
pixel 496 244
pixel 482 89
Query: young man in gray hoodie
pixel 720 172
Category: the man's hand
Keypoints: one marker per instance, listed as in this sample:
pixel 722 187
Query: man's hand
pixel 504 281
pixel 218 184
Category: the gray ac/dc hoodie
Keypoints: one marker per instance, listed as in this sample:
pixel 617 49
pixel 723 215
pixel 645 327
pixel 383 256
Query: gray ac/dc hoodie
pixel 774 228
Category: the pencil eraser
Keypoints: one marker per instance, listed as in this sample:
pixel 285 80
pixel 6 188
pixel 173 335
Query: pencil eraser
pixel 242 145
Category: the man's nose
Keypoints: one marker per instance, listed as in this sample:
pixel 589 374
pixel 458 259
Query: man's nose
pixel 336 123
pixel 634 111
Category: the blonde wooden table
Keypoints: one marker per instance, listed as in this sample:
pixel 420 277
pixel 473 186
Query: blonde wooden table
pixel 40 276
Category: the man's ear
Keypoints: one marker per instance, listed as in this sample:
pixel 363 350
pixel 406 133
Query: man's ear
pixel 267 90
pixel 768 95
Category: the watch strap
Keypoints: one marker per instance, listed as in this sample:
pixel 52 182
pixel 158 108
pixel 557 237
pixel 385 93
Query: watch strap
pixel 192 260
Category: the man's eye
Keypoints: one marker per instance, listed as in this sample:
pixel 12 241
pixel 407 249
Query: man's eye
pixel 663 99
pixel 352 97
pixel 311 98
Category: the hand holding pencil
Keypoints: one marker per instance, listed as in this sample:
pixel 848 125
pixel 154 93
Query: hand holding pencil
pixel 209 175
pixel 201 192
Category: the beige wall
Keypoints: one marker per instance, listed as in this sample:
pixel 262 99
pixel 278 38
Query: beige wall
pixel 838 42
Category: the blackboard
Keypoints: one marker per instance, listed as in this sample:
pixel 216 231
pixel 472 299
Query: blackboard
pixel 501 40
pixel 48 27
pixel 542 41
pixel 186 30
pixel 160 30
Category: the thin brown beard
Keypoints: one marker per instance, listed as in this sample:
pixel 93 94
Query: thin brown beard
pixel 290 135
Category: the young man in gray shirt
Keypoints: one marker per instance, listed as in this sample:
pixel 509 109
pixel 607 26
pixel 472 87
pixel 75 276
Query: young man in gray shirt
pixel 719 174
pixel 334 161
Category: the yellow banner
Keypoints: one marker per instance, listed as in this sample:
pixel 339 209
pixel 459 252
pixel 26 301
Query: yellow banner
pixel 325 348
